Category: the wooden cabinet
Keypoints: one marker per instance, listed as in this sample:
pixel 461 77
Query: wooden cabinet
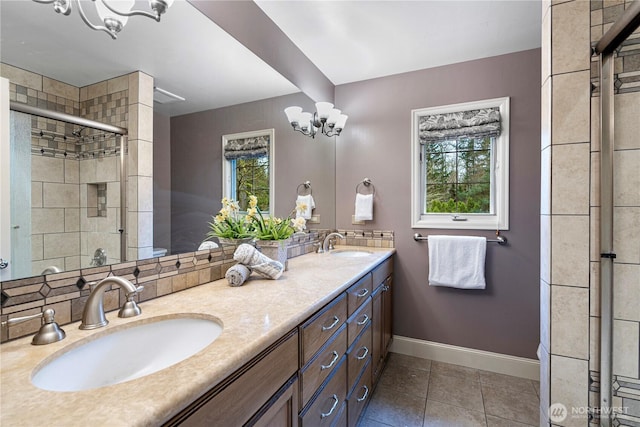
pixel 320 374
pixel 382 316
pixel 281 411
pixel 325 408
pixel 314 374
pixel 244 393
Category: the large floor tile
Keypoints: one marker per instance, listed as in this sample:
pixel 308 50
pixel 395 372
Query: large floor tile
pixel 511 405
pixel 455 391
pixel 493 421
pixel 388 406
pixel 507 382
pixel 405 380
pixel 397 359
pixel 455 371
pixel 364 422
pixel 439 414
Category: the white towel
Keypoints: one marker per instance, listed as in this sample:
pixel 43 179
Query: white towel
pixel 207 244
pixel 256 261
pixel 364 207
pixel 308 202
pixel 457 261
pixel 237 274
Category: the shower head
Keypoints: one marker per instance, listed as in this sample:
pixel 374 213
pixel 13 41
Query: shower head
pixel 78 133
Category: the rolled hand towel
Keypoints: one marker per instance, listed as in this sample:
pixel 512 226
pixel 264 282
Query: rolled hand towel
pixel 254 259
pixel 237 274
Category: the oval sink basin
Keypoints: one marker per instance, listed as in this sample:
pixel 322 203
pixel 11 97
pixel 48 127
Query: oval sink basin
pixel 350 253
pixel 126 354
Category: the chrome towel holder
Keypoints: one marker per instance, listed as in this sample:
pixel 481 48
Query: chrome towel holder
pixel 305 186
pixel 367 183
pixel 501 240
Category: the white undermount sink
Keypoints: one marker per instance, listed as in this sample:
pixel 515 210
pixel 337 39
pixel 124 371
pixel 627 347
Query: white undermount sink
pixel 130 352
pixel 350 253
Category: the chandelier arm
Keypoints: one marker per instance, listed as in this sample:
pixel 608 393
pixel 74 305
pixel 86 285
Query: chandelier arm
pixel 65 8
pixel 94 27
pixel 155 16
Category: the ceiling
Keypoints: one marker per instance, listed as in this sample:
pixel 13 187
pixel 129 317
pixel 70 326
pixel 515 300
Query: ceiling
pixel 357 40
pixel 192 57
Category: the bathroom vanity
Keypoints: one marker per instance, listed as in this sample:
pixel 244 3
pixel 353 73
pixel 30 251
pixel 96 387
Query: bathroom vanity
pixel 306 349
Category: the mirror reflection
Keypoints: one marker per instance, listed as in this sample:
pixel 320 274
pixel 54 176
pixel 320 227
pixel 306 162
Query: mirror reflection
pixel 70 194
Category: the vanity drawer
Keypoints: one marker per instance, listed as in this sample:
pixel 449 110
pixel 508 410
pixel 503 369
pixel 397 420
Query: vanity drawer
pixel 359 396
pixel 359 292
pixel 323 364
pixel 359 321
pixel 358 355
pixel 325 408
pixel 382 272
pixel 317 330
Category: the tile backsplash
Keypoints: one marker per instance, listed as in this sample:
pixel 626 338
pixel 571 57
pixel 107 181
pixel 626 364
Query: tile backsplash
pixel 68 292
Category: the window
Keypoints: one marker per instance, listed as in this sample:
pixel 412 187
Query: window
pixel 247 167
pixel 460 169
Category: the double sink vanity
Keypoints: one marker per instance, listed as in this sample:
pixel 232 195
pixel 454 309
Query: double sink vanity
pixel 306 349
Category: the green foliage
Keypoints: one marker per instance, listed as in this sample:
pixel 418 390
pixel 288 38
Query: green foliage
pixel 458 176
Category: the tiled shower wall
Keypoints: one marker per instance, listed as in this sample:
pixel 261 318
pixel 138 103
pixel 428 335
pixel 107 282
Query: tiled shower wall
pixel 570 258
pixel 62 169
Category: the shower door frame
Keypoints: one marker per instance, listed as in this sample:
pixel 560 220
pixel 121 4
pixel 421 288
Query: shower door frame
pixel 606 48
pixel 121 137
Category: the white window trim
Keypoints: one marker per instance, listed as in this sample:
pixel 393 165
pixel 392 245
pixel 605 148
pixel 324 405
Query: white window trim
pixel 499 220
pixel 226 164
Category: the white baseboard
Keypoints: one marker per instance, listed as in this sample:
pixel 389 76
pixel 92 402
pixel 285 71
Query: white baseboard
pixel 478 359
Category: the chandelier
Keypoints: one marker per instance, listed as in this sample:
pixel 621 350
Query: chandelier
pixel 113 16
pixel 328 120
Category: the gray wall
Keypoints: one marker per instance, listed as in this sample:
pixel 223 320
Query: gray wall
pixel 196 164
pixel 161 181
pixel 376 143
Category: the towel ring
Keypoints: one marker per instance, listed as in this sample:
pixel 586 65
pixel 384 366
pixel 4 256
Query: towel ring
pixel 306 186
pixel 367 183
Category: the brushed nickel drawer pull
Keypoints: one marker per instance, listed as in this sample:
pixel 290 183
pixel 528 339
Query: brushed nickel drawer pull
pixel 363 321
pixel 366 393
pixel 362 293
pixel 366 351
pixel 336 319
pixel 335 357
pixel 333 408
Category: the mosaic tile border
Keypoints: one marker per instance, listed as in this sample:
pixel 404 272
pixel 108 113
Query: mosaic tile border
pixel 68 292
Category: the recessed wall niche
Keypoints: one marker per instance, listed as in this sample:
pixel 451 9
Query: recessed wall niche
pixel 97 199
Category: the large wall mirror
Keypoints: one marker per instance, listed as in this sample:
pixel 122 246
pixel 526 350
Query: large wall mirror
pixel 70 193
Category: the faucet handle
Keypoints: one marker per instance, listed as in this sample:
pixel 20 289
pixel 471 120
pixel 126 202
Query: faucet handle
pixel 130 308
pixel 49 332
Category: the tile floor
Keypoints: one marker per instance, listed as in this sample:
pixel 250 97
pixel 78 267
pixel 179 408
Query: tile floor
pixel 424 393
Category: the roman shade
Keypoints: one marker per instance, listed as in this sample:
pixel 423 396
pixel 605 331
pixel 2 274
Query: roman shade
pixel 480 123
pixel 247 148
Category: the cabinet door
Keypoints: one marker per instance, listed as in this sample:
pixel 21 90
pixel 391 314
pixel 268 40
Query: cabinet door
pixel 281 413
pixel 387 315
pixel 376 333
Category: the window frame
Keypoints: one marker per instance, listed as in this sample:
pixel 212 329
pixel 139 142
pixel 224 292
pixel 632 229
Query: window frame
pixel 228 171
pixel 499 218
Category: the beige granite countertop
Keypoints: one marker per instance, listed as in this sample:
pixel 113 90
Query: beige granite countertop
pixel 254 316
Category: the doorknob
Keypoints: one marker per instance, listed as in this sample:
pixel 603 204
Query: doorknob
pixel 3 264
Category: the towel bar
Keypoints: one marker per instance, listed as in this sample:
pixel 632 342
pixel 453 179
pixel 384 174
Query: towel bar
pixel 499 239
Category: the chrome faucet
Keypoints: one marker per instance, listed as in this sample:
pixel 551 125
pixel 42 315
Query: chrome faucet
pixel 49 332
pixel 93 314
pixel 326 245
